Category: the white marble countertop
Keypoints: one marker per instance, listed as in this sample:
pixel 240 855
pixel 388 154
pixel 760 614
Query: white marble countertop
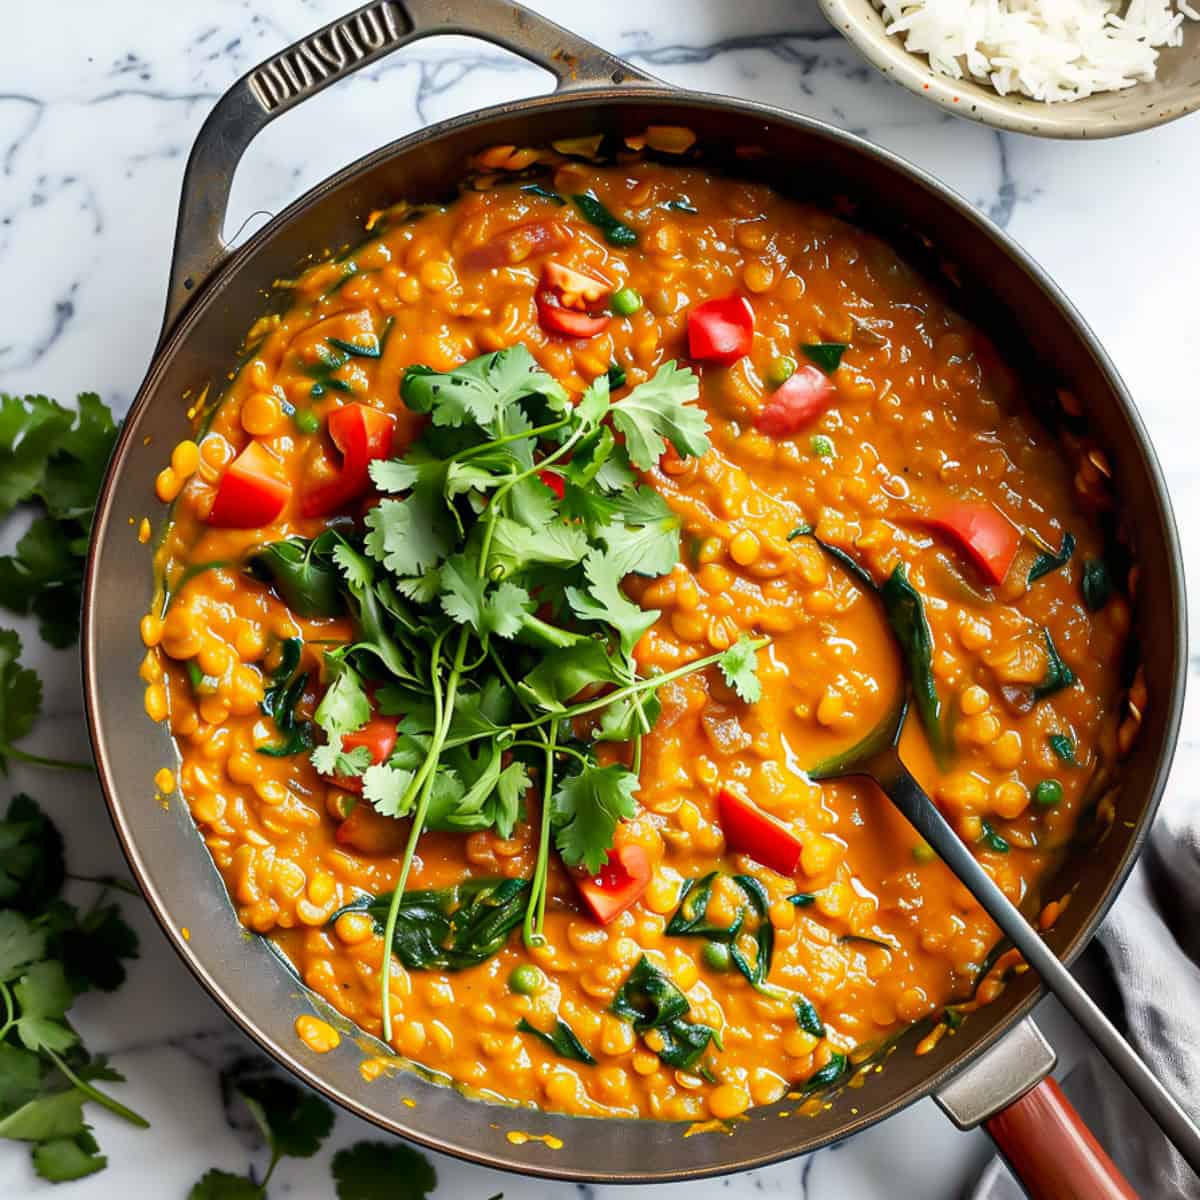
pixel 98 108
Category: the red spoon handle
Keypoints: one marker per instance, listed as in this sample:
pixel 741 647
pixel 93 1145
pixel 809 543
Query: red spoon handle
pixel 1052 1152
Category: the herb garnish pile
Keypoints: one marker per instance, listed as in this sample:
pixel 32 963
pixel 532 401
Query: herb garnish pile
pixel 490 614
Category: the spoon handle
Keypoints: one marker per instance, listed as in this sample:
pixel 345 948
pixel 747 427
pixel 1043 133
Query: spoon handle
pixel 909 797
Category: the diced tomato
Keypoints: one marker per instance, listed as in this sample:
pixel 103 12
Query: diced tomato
pixel 621 881
pixel 749 830
pixel 568 322
pixel 797 402
pixel 379 737
pixel 361 433
pixel 574 288
pixel 517 243
pixel 720 331
pixel 554 481
pixel 989 538
pixel 250 494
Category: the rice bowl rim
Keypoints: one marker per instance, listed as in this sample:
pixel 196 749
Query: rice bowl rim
pixel 1102 115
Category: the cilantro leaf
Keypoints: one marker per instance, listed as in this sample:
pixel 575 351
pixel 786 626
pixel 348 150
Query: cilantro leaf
pixel 481 389
pixel 382 1171
pixel 345 706
pixel 605 602
pixel 30 428
pixel 20 695
pixel 92 952
pixel 644 539
pixel 222 1185
pixel 45 577
pixel 658 411
pixel 585 810
pixel 60 1160
pixel 75 469
pixel 44 995
pixel 54 1115
pixel 408 536
pixel 31 859
pixel 20 1077
pixel 564 673
pixel 293 1121
pixel 21 943
pixel 331 759
pixel 386 788
pixel 739 665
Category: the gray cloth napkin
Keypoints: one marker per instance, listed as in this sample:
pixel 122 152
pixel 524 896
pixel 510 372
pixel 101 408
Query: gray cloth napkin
pixel 1151 941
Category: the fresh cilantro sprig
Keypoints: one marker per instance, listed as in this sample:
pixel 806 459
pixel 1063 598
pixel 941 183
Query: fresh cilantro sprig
pixel 488 597
pixel 20 706
pixel 50 953
pixel 52 458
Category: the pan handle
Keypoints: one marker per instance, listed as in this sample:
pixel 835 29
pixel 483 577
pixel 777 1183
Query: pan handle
pixel 312 64
pixel 1052 1152
pixel 1008 1090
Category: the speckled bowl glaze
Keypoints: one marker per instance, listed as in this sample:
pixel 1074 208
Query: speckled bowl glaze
pixel 1174 94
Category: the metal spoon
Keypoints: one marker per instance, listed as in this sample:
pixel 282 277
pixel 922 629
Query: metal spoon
pixel 878 758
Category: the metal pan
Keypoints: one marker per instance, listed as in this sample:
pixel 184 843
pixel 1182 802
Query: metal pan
pixel 213 298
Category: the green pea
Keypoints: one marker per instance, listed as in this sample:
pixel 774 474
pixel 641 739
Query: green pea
pixel 922 852
pixel 1048 793
pixel 625 302
pixel 306 421
pixel 526 980
pixel 716 955
pixel 780 371
pixel 822 446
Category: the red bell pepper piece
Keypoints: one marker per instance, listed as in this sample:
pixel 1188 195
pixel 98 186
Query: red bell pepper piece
pixel 567 322
pixel 361 433
pixel 720 331
pixel 517 243
pixel 554 481
pixel 621 881
pixel 250 494
pixel 379 737
pixel 749 830
pixel 575 289
pixel 797 401
pixel 989 538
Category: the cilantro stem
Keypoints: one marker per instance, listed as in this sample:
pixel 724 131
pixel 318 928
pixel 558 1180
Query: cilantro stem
pixel 488 447
pixel 9 1011
pixel 630 689
pixel 113 1106
pixel 582 758
pixel 424 779
pixel 535 914
pixel 8 751
pixel 107 881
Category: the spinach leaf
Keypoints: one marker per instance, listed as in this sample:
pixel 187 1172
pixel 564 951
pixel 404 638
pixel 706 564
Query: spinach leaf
pixel 1058 674
pixel 449 929
pixel 616 232
pixel 992 840
pixel 303 572
pixel 652 1001
pixel 905 611
pixel 1064 748
pixel 280 700
pixel 827 355
pixel 807 1018
pixel 828 1075
pixel 1097 584
pixel 1047 562
pixel 683 206
pixel 561 1039
pixel 536 189
pixel 801 899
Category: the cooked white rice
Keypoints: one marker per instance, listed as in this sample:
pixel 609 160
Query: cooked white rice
pixel 1047 49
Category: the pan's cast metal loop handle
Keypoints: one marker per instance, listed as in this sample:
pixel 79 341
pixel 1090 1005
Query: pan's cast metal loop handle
pixel 313 63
